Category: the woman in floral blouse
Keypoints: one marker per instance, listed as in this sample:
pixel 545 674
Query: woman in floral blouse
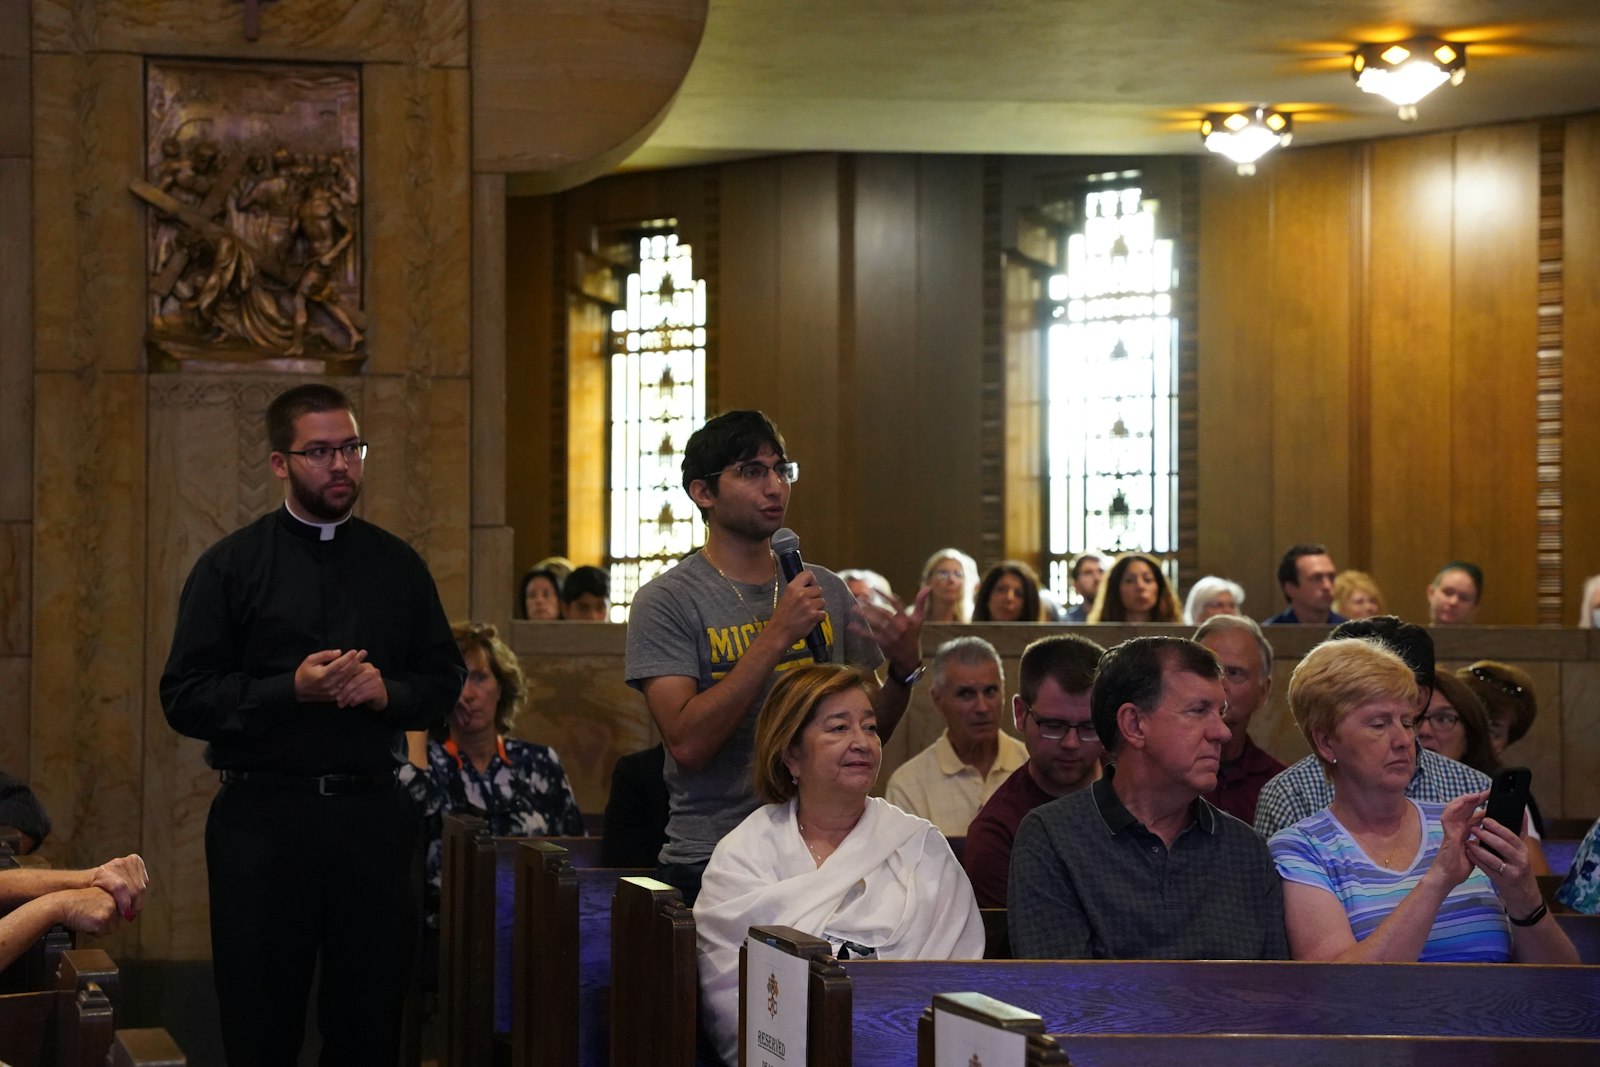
pixel 518 787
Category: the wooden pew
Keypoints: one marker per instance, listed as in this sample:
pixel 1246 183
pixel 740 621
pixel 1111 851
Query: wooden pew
pixel 1174 997
pixel 67 1022
pixel 561 957
pixel 1234 1050
pixel 152 1047
pixel 655 983
pixel 467 941
pixel 827 994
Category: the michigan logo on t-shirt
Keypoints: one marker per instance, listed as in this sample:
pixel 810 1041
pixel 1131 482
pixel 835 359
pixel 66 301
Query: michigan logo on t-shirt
pixel 728 643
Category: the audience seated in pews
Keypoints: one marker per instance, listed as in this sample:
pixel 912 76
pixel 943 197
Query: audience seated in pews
pixel 1454 594
pixel 586 595
pixel 1008 593
pixel 1580 890
pixel 1303 789
pixel 1306 575
pixel 822 856
pixel 1589 604
pixel 1135 591
pixel 1246 659
pixel 21 810
pixel 951 577
pixel 636 810
pixel 1378 877
pixel 539 595
pixel 1138 866
pixel 1356 595
pixel 1210 596
pixel 519 787
pixel 947 782
pixel 1052 715
pixel 1084 572
pixel 93 901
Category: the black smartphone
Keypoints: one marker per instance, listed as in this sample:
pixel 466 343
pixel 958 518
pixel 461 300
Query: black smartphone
pixel 1508 798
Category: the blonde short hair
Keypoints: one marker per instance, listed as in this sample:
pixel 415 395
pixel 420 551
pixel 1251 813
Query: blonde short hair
pixel 1340 676
pixel 1349 583
pixel 788 708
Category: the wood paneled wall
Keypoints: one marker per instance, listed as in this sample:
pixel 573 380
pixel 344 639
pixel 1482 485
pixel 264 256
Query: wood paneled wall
pixel 848 307
pixel 1367 371
pixel 1369 354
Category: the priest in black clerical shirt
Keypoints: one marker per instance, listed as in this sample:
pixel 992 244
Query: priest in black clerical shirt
pixel 306 644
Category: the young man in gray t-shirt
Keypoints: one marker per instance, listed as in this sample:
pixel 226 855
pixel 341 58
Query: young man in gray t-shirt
pixel 707 638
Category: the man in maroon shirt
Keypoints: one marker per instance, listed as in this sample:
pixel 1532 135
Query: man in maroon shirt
pixel 1246 659
pixel 1052 715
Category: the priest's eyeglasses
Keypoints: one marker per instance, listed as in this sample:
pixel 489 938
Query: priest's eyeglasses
pixel 322 455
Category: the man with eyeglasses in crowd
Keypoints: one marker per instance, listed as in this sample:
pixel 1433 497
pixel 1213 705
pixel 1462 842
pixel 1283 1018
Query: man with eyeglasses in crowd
pixel 1246 659
pixel 708 637
pixel 306 644
pixel 1138 865
pixel 1051 711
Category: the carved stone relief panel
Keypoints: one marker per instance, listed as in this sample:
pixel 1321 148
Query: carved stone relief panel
pixel 253 234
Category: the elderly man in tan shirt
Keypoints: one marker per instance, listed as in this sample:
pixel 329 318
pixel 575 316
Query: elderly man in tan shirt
pixel 947 782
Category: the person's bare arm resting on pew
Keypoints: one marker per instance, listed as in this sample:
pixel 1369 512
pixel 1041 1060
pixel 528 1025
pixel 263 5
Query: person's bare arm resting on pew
pixel 93 901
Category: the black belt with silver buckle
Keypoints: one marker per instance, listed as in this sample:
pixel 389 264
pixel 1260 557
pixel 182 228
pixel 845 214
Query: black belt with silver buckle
pixel 327 785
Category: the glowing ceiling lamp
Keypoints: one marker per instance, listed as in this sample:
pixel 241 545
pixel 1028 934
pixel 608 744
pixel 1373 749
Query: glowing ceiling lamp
pixel 1246 135
pixel 1404 72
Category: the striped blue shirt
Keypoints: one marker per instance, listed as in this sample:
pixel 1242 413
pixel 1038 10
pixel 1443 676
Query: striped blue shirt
pixel 1319 852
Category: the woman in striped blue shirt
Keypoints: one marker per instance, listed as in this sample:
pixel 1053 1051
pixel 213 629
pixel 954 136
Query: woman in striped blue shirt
pixel 1377 877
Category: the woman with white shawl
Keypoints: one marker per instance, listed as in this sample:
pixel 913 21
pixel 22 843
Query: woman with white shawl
pixel 822 856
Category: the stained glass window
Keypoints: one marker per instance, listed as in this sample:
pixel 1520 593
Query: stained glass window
pixel 1111 389
pixel 658 398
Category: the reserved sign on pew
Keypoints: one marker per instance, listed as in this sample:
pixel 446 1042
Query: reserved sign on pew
pixel 775 1002
pixel 969 1028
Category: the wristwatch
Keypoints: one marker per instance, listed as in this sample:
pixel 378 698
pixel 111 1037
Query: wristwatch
pixel 911 679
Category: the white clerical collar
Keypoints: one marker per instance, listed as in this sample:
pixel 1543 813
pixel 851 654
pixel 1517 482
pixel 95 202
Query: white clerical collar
pixel 324 529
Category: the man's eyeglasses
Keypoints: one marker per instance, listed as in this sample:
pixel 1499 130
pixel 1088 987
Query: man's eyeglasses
pixel 322 455
pixel 1441 720
pixel 1509 688
pixel 1056 729
pixel 753 471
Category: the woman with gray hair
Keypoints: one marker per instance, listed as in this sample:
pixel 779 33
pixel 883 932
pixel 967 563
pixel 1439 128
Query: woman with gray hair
pixel 1210 596
pixel 1377 877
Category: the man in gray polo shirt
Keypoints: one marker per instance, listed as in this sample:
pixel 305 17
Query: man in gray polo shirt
pixel 707 638
pixel 1139 866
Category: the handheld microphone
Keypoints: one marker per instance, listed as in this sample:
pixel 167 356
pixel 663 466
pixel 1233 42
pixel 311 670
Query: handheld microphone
pixel 786 546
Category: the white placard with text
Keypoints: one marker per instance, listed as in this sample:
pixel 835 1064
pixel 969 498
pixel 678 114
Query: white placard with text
pixel 963 1042
pixel 774 1006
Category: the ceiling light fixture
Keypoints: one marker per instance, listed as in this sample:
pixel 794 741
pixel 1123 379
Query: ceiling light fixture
pixel 1246 135
pixel 1404 72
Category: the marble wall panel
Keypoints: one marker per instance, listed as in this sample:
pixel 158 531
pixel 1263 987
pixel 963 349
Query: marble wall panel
pixel 493 575
pixel 16 116
pixel 88 229
pixel 89 600
pixel 488 350
pixel 16 577
pixel 16 338
pixel 428 31
pixel 208 476
pixel 418 220
pixel 15 724
pixel 419 473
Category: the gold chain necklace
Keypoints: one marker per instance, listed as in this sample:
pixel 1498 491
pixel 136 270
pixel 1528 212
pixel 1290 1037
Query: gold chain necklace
pixel 706 552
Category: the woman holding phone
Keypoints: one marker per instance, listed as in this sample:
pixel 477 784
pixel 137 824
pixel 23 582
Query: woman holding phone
pixel 1377 877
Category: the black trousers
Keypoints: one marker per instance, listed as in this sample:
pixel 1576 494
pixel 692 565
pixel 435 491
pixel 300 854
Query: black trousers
pixel 295 876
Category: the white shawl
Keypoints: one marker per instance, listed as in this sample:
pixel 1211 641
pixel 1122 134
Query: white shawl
pixel 892 885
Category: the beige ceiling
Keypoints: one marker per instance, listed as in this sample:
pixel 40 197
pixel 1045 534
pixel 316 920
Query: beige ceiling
pixel 1088 77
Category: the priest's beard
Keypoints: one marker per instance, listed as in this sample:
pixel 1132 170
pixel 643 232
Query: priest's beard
pixel 316 503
